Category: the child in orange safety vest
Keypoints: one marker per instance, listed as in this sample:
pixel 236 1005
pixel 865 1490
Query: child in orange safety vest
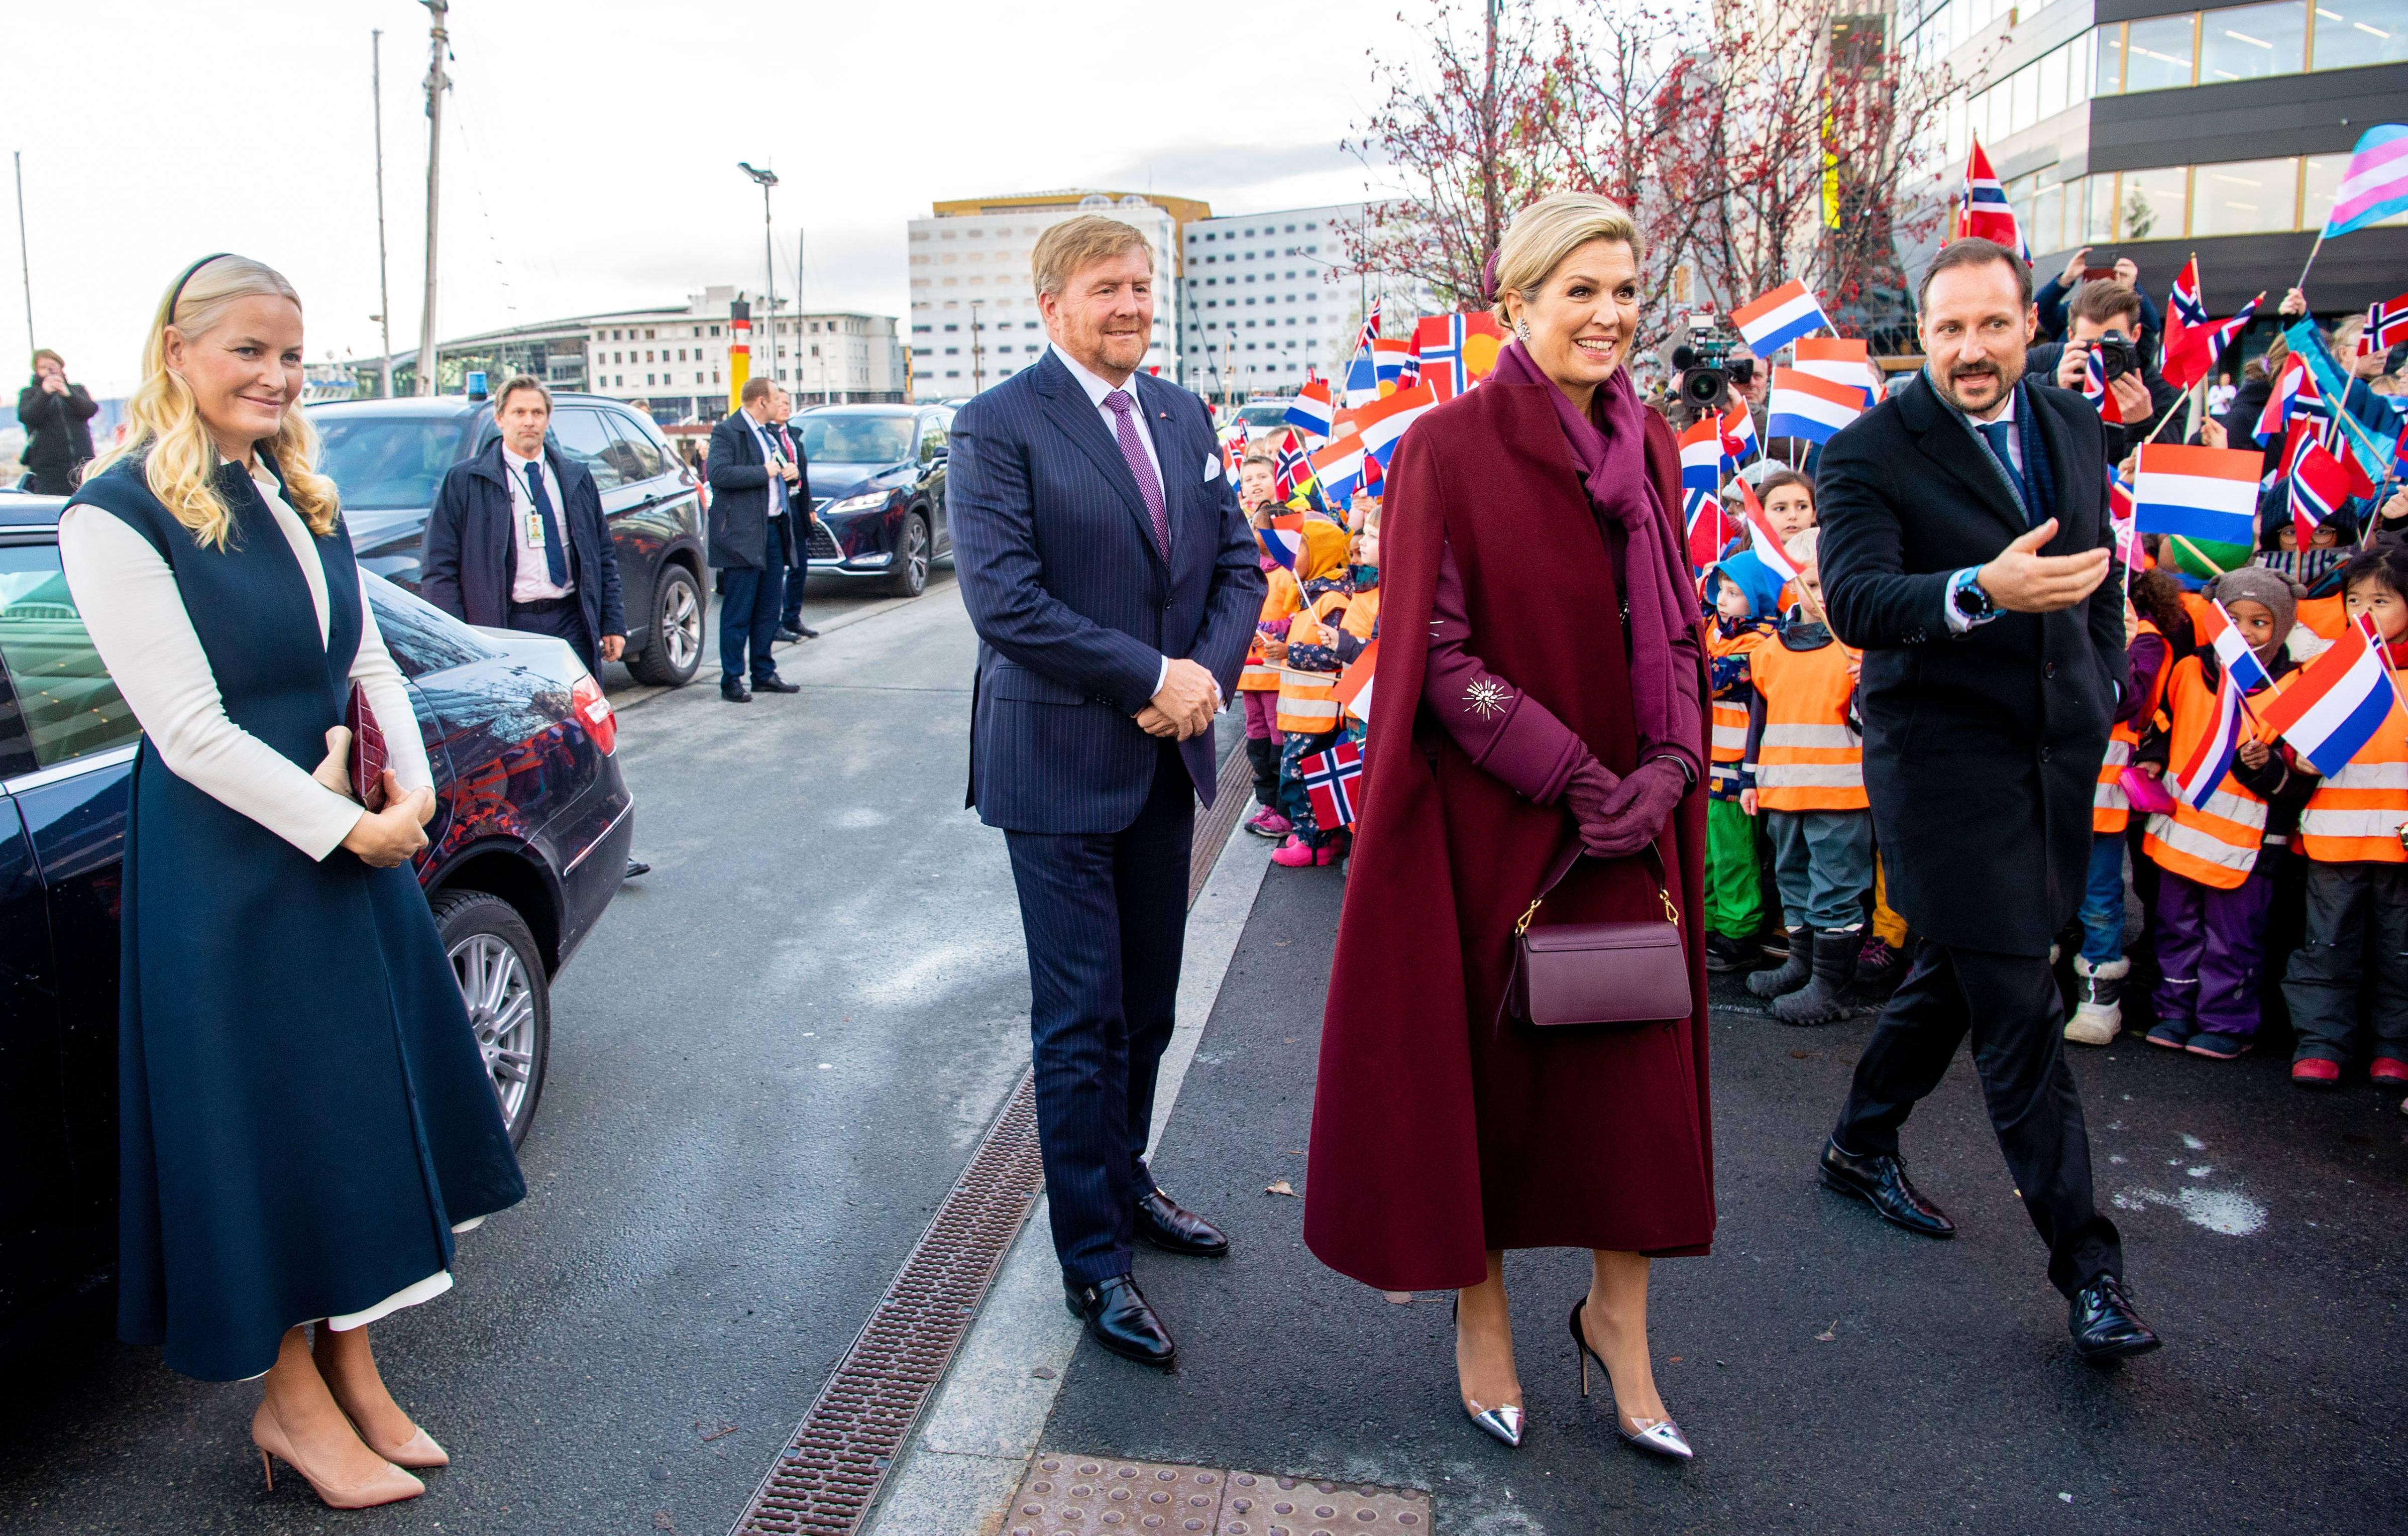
pixel 2354 834
pixel 1743 616
pixel 1309 662
pixel 2217 861
pixel 1804 771
pixel 1258 683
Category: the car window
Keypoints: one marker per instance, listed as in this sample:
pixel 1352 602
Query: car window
pixel 422 637
pixel 69 707
pixel 582 436
pixel 932 439
pixel 835 439
pixel 383 463
pixel 640 456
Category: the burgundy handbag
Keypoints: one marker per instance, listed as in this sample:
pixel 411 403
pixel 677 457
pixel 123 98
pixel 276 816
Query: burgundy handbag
pixel 369 757
pixel 1599 972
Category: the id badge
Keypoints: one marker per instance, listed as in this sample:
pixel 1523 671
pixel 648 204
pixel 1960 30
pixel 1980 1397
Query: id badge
pixel 534 530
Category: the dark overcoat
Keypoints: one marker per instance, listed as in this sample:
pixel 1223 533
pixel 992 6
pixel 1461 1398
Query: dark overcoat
pixel 1437 1133
pixel 1982 750
pixel 471 554
pixel 737 524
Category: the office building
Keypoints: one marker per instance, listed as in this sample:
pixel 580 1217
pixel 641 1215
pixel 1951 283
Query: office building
pixel 1264 295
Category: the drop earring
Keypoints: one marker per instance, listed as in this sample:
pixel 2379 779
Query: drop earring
pixel 1522 329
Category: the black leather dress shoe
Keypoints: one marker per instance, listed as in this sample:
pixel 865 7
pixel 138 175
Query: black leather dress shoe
pixel 776 685
pixel 635 866
pixel 1163 1223
pixel 788 634
pixel 734 690
pixel 1120 1319
pixel 1880 1182
pixel 2104 1324
pixel 807 632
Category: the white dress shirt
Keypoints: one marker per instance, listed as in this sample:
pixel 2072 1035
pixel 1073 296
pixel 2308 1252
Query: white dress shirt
pixel 779 491
pixel 532 584
pixel 135 613
pixel 1956 620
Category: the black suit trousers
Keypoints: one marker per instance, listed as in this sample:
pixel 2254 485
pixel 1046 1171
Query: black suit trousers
pixel 2011 1007
pixel 1105 914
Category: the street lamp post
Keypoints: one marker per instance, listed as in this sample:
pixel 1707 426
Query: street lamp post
pixel 770 263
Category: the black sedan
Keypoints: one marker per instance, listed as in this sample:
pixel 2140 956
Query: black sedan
pixel 878 483
pixel 388 456
pixel 526 850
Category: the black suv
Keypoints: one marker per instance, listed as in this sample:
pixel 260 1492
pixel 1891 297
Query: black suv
pixel 878 482
pixel 388 457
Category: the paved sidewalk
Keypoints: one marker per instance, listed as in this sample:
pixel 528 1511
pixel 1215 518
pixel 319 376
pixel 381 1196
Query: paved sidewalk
pixel 1834 1374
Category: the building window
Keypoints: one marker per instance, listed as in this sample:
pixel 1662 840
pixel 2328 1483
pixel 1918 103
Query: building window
pixel 2159 53
pixel 2250 42
pixel 2246 197
pixel 2359 31
pixel 2155 205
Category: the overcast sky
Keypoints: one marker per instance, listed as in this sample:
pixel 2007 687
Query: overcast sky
pixel 590 146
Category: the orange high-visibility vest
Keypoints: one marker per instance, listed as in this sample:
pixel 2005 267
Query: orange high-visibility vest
pixel 2215 845
pixel 1728 744
pixel 2326 617
pixel 1809 759
pixel 1282 601
pixel 2111 809
pixel 1308 701
pixel 2355 814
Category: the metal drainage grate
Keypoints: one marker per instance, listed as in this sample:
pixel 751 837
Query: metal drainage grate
pixel 824 1481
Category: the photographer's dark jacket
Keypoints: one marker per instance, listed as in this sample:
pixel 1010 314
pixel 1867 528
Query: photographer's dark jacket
pixel 58 433
pixel 2039 364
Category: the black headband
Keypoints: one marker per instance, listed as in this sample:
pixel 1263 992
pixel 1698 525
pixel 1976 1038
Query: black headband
pixel 178 295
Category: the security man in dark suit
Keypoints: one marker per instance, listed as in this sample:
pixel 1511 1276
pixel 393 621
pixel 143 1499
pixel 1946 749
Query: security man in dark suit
pixel 751 530
pixel 1965 549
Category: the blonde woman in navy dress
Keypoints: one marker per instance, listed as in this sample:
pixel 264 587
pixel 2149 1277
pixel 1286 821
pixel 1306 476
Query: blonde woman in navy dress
pixel 305 1119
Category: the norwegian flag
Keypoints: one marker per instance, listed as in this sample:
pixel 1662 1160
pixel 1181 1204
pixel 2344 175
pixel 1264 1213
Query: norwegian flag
pixel 2202 345
pixel 1984 211
pixel 2320 486
pixel 1369 335
pixel 1234 446
pixel 2388 322
pixel 1412 372
pixel 1291 471
pixel 1738 435
pixel 2184 308
pixel 2295 395
pixel 1710 528
pixel 2095 390
pixel 1330 783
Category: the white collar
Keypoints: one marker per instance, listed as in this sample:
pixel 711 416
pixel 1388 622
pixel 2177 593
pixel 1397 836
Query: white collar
pixel 1097 388
pixel 512 454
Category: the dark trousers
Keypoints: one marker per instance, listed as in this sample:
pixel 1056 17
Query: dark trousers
pixel 748 611
pixel 1105 914
pixel 2344 902
pixel 2010 1004
pixel 563 618
pixel 791 614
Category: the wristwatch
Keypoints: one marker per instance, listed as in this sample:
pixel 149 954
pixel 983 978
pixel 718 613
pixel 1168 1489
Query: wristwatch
pixel 1971 599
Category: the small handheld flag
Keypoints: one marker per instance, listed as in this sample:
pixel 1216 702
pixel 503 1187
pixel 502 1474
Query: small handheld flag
pixel 1354 683
pixel 1371 332
pixel 2320 484
pixel 2095 390
pixel 1776 319
pixel 1311 410
pixel 1842 361
pixel 2202 345
pixel 1284 538
pixel 1804 406
pixel 1710 527
pixel 1390 356
pixel 1456 350
pixel 2232 652
pixel 1291 471
pixel 2387 322
pixel 2295 393
pixel 1984 211
pixel 1763 538
pixel 1330 781
pixel 2375 184
pixel 1234 446
pixel 2201 494
pixel 2184 308
pixel 1339 466
pixel 1382 423
pixel 1738 435
pixel 2196 781
pixel 2337 702
pixel 1702 456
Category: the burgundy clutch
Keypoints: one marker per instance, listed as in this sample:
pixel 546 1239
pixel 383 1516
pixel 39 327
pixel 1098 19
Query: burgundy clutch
pixel 368 756
pixel 1621 972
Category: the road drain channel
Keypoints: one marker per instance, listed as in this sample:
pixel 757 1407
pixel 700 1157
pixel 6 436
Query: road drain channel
pixel 824 1482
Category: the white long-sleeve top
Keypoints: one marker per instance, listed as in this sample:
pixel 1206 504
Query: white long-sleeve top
pixel 135 615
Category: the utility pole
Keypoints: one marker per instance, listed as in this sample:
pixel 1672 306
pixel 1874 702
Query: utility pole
pixel 438 44
pixel 385 293
pixel 798 326
pixel 768 265
pixel 25 262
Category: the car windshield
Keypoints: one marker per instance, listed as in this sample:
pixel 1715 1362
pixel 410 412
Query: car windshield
pixel 854 439
pixel 1264 413
pixel 382 463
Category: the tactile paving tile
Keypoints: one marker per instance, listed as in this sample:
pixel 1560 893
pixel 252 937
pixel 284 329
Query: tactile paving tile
pixel 1080 1495
pixel 1256 1504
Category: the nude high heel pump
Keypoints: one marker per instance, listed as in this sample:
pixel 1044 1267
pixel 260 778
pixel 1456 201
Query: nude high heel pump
pixel 420 1450
pixel 390 1487
pixel 1655 1436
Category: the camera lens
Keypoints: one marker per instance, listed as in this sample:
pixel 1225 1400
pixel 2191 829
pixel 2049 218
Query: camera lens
pixel 1705 388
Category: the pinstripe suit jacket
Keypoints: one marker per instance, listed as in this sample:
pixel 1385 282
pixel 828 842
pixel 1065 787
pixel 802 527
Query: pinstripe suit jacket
pixel 1074 606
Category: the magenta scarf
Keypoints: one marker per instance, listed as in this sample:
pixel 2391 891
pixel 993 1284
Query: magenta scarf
pixel 1610 448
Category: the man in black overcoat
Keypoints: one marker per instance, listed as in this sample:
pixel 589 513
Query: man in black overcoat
pixel 751 538
pixel 1965 549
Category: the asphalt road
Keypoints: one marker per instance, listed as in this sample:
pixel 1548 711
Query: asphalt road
pixel 1834 1374
pixel 769 1062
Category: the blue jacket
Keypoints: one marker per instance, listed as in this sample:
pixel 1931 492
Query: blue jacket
pixel 1074 607
pixel 470 557
pixel 738 527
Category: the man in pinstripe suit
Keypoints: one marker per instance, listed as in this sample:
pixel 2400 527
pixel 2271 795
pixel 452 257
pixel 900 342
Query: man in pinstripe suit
pixel 1114 583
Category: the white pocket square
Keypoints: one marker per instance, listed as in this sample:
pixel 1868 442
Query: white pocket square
pixel 1211 467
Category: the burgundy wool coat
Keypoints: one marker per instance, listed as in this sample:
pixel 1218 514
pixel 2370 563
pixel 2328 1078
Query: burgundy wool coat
pixel 1438 1133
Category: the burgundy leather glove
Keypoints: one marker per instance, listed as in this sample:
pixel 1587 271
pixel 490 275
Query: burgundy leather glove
pixel 1632 814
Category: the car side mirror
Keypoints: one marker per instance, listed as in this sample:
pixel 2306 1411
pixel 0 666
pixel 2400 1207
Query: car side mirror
pixel 938 454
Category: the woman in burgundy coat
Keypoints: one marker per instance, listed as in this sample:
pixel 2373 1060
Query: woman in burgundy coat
pixel 1538 612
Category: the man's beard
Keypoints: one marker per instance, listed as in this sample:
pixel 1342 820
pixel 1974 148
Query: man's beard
pixel 2007 374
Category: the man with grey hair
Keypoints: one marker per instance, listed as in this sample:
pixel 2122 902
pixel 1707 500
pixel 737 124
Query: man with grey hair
pixel 1114 584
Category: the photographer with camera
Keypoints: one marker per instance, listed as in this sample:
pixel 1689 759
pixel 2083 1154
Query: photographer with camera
pixel 2050 301
pixel 2105 317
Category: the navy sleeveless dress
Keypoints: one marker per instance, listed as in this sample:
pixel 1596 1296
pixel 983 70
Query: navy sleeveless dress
pixel 304 1113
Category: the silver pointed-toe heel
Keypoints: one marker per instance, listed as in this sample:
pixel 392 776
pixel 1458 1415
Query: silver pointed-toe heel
pixel 1503 1424
pixel 1655 1436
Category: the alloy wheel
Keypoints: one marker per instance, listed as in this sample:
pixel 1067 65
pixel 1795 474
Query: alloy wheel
pixel 495 985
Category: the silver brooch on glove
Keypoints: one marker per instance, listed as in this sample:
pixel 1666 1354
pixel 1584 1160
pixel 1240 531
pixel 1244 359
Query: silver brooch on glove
pixel 1486 698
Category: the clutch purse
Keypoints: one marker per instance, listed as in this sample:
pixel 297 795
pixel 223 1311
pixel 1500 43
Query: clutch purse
pixel 368 756
pixel 1624 972
pixel 2144 792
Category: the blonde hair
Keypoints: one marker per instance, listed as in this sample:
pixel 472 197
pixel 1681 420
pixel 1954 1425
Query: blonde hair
pixel 1802 545
pixel 1081 241
pixel 179 459
pixel 1551 229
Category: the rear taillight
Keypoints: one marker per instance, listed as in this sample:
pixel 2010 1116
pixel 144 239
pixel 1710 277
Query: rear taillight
pixel 586 697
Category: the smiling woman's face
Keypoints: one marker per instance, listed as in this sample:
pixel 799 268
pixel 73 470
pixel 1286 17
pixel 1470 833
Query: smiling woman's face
pixel 244 371
pixel 1580 319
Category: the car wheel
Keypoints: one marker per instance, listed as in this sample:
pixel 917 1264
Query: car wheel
pixel 502 980
pixel 910 577
pixel 676 651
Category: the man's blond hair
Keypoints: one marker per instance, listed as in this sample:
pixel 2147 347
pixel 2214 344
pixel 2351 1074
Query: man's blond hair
pixel 1066 248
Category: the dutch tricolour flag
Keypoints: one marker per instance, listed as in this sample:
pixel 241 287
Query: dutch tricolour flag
pixel 1841 360
pixel 2197 493
pixel 2338 701
pixel 1339 466
pixel 1355 684
pixel 1284 540
pixel 1738 435
pixel 1311 410
pixel 1804 406
pixel 1382 423
pixel 2197 781
pixel 2232 652
pixel 1779 318
pixel 1702 456
pixel 1763 538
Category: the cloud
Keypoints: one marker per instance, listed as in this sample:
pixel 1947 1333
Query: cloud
pixel 1226 171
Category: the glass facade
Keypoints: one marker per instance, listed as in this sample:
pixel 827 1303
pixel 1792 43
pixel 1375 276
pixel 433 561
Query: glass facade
pixel 2178 202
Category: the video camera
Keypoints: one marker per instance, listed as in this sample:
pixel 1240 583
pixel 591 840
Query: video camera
pixel 1699 353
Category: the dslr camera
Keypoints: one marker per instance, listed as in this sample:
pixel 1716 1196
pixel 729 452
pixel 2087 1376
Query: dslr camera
pixel 2117 355
pixel 1699 358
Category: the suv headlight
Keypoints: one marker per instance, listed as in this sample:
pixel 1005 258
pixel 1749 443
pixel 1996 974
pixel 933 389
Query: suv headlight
pixel 867 501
